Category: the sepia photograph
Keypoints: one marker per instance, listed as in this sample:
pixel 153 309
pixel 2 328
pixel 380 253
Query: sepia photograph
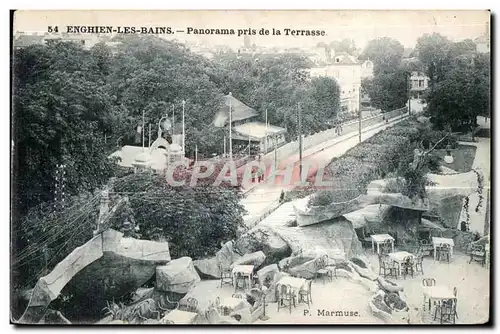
pixel 250 167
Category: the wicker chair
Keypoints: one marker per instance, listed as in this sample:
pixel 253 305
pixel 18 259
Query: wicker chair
pixel 240 283
pixel 388 267
pixel 226 276
pixel 478 254
pixel 386 247
pixel 191 305
pixel 425 247
pixel 408 266
pixel 444 252
pixel 321 270
pixel 447 311
pixel 305 295
pixel 286 297
pixel 428 282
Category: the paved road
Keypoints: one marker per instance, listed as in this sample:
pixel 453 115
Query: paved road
pixel 264 195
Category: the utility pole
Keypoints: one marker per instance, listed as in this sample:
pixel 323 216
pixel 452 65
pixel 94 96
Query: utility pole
pixel 173 119
pixel 195 153
pixel 183 129
pixel 359 123
pixel 408 85
pixel 149 133
pixel 265 142
pixel 142 130
pixel 299 115
pixel 230 126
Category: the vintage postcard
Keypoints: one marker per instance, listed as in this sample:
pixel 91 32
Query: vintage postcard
pixel 251 167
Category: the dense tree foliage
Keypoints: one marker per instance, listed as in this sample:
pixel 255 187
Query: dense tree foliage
pixel 74 106
pixel 459 88
pixel 388 89
pixel 62 109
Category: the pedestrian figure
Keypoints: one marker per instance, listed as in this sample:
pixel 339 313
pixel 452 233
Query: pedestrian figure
pixel 282 196
pixel 128 230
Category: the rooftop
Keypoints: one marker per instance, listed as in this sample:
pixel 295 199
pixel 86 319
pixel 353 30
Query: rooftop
pixel 257 130
pixel 239 111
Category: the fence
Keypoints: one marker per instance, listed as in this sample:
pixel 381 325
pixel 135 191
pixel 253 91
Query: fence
pixel 315 139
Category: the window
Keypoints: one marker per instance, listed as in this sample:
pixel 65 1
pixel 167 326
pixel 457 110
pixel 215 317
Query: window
pixel 420 83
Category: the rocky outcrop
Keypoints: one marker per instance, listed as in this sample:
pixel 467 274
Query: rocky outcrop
pixel 336 238
pixel 263 238
pixel 372 213
pixel 294 261
pixel 389 286
pixel 267 273
pixel 256 259
pixel 108 264
pixel 305 270
pixel 207 268
pixel 444 186
pixel 364 272
pixel 177 276
pixel 227 255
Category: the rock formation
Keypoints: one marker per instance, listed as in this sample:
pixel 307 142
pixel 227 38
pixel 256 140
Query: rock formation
pixel 108 265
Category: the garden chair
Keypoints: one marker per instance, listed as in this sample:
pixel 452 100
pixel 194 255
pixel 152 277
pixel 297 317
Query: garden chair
pixel 478 254
pixel 305 294
pixel 425 247
pixel 388 267
pixel 191 305
pixel 419 259
pixel 226 276
pixel 163 307
pixel 443 252
pixel 240 283
pixel 321 270
pixel 408 266
pixel 447 311
pixel 286 297
pixel 428 282
pixel 238 296
pixel 386 247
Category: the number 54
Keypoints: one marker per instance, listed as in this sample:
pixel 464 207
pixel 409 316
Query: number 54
pixel 51 29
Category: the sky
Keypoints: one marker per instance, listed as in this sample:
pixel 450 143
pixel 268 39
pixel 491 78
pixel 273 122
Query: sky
pixel 361 26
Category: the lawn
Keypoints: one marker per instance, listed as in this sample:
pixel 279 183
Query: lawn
pixel 463 158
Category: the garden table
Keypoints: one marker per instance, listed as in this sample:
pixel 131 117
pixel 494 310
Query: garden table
pixel 179 317
pixel 245 270
pixel 436 241
pixel 437 292
pixel 399 258
pixel 381 238
pixel 295 282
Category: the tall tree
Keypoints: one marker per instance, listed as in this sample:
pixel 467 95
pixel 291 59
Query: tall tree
pixel 463 94
pixel 433 52
pixel 385 53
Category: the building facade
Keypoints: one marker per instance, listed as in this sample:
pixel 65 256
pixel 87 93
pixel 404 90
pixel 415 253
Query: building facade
pixel 419 83
pixel 347 71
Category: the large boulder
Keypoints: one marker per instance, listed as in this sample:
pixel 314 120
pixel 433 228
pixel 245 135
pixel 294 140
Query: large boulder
pixel 263 238
pixel 306 270
pixel 294 261
pixel 364 272
pixel 389 286
pixel 267 273
pixel 177 276
pixel 256 259
pixel 336 238
pixel 227 255
pixel 207 268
